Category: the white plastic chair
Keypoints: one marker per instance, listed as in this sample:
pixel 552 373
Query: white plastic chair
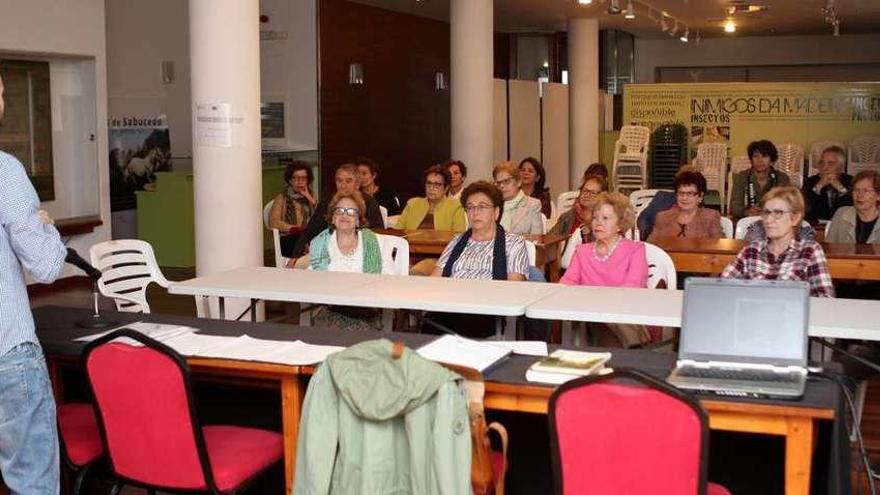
pixel 827 228
pixel 399 249
pixel 565 201
pixel 864 154
pixel 816 150
pixel 127 267
pixel 391 221
pixel 660 267
pixel 791 161
pixel 642 198
pixel 574 240
pixel 711 161
pixel 727 227
pixel 280 260
pixel 384 212
pixel 546 223
pixel 531 252
pixel 743 225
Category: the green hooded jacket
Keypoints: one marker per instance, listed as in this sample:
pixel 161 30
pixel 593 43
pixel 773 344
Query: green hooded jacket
pixel 372 424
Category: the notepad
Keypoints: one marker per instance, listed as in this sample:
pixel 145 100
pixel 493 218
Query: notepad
pixel 460 351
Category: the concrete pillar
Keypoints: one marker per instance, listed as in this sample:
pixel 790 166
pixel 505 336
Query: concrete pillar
pixel 583 87
pixel 225 83
pixel 472 69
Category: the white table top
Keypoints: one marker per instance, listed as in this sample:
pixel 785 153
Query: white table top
pixel 484 297
pixel 844 318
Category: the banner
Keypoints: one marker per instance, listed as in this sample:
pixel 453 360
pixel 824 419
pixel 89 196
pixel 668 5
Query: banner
pixel 139 147
pixel 739 113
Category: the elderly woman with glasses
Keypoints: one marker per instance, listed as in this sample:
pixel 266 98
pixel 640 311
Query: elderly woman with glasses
pixel 521 214
pixel 292 208
pixel 436 210
pixel 783 254
pixel 858 224
pixel 688 218
pixel 345 246
pixel 580 215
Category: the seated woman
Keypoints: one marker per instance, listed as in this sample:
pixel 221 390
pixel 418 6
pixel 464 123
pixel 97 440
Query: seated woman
pixel 750 185
pixel 457 174
pixel 580 215
pixel 611 261
pixel 435 211
pixel 533 178
pixel 346 246
pixel 485 251
pixel 688 218
pixel 368 174
pixel 292 208
pixel 858 224
pixel 783 254
pixel 521 214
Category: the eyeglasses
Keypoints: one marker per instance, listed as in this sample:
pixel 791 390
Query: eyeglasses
pixel 435 185
pixel 478 208
pixel 863 192
pixel 587 193
pixel 351 212
pixel 687 194
pixel 504 182
pixel 774 214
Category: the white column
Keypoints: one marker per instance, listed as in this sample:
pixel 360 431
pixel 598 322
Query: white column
pixel 583 87
pixel 225 80
pixel 472 62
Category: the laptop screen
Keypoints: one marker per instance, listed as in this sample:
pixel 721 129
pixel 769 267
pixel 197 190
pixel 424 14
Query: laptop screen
pixel 754 321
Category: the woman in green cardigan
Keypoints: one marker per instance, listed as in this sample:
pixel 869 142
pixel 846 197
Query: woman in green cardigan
pixel 435 211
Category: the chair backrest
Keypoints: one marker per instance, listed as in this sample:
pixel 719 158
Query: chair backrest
pixel 384 212
pixel 642 198
pixel 266 210
pixel 743 225
pixel 711 161
pixel 127 267
pixel 565 201
pixel 632 142
pixel 545 222
pixel 280 260
pixel 865 149
pixel 145 413
pixel 399 249
pixel 727 227
pixel 574 240
pixel 530 251
pixel 660 267
pixel 605 436
pixel 791 161
pixel 827 229
pixel 816 150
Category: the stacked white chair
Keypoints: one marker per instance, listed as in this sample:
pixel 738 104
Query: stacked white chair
pixel 816 153
pixel 864 154
pixel 630 169
pixel 565 201
pixel 711 161
pixel 791 162
pixel 127 267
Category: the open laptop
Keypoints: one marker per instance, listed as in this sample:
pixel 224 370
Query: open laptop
pixel 744 337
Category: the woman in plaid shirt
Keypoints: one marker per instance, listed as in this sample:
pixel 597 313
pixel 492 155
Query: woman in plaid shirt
pixel 782 255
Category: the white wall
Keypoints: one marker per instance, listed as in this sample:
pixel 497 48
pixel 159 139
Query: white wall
pixel 739 51
pixel 72 36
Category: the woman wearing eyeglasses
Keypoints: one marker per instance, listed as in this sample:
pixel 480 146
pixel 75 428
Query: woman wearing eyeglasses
pixel 435 211
pixel 858 224
pixel 580 215
pixel 345 246
pixel 292 208
pixel 783 254
pixel 521 214
pixel 750 185
pixel 688 218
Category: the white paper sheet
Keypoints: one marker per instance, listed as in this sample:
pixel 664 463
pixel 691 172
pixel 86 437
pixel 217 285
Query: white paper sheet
pixel 246 348
pixel 156 331
pixel 192 344
pixel 463 352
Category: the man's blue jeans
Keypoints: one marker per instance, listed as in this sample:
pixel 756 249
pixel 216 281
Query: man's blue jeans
pixel 28 428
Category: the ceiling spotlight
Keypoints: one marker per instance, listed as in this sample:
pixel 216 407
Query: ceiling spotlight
pixel 629 13
pixel 729 26
pixel 684 37
pixel 585 2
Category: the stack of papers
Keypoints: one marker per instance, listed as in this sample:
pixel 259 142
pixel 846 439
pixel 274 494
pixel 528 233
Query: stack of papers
pixel 156 331
pixel 460 351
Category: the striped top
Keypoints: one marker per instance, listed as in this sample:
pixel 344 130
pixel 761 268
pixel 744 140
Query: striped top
pixel 475 261
pixel 26 243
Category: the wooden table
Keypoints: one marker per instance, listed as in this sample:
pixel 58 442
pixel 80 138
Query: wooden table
pixel 796 424
pixel 432 243
pixel 845 261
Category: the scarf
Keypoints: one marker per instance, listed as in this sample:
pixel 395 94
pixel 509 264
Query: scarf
pixel 509 207
pixel 499 253
pixel 297 209
pixel 319 255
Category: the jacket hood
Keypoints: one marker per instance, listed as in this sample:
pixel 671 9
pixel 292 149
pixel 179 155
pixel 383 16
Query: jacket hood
pixel 378 387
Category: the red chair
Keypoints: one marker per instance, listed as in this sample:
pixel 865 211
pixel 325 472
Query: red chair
pixel 80 440
pixel 151 433
pixel 628 433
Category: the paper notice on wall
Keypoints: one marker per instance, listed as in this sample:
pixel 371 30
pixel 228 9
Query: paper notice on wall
pixel 215 125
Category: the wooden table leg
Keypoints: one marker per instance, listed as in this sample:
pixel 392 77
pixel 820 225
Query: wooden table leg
pixel 798 456
pixel 291 405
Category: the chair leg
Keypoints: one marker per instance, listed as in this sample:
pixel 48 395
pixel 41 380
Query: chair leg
pixel 117 487
pixel 80 477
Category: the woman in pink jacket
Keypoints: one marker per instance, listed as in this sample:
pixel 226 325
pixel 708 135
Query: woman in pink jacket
pixel 612 260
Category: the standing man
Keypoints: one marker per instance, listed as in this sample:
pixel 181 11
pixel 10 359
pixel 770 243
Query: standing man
pixel 28 432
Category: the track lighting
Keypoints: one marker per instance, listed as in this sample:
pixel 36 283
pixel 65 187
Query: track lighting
pixel 629 13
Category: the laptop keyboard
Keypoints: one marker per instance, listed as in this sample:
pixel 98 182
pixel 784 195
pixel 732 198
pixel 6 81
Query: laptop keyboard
pixel 744 374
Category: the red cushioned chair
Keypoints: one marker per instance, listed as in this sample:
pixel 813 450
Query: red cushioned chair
pixel 80 441
pixel 149 427
pixel 628 433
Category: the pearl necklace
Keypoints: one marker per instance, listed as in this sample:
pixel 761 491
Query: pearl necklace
pixel 603 259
